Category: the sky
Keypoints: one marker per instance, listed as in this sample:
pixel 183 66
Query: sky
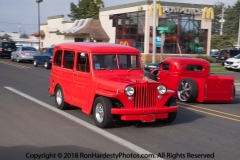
pixel 24 13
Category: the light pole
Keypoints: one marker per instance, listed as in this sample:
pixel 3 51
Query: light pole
pixel 238 33
pixel 39 1
pixel 222 15
pixel 154 33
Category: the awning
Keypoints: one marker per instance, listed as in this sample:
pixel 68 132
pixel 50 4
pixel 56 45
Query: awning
pixel 93 28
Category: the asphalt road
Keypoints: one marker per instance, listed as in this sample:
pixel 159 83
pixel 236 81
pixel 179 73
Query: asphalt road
pixel 28 127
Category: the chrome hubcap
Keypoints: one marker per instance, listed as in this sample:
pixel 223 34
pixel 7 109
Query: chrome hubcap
pixel 184 91
pixel 99 113
pixel 45 64
pixel 59 97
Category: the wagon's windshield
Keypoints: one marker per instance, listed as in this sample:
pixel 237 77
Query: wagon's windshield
pixel 116 61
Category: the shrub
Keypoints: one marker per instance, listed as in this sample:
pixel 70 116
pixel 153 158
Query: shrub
pixel 210 60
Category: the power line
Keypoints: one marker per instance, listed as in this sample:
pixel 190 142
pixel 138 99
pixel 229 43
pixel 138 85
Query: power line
pixel 17 23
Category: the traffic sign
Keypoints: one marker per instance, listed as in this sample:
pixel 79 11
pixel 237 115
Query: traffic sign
pixel 158 41
pixel 162 28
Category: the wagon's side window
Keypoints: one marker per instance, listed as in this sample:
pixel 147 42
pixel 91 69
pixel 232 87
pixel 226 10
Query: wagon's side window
pixel 83 62
pixel 165 66
pixel 58 58
pixel 68 59
pixel 194 68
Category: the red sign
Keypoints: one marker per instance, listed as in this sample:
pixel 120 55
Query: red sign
pixel 125 42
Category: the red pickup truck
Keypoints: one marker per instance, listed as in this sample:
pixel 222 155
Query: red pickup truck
pixel 191 80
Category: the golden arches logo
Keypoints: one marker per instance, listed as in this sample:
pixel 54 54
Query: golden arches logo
pixel 125 43
pixel 208 13
pixel 158 7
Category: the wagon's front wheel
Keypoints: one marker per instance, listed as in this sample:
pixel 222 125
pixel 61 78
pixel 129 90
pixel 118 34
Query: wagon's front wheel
pixel 172 115
pixel 187 90
pixel 102 112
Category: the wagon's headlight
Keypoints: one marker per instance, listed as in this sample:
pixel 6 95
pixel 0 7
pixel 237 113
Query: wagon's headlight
pixel 129 90
pixel 162 89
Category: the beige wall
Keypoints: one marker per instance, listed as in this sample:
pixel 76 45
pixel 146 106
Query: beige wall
pixel 206 23
pixel 53 38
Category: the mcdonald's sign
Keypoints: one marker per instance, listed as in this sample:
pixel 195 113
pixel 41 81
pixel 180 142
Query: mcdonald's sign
pixel 158 7
pixel 125 42
pixel 208 13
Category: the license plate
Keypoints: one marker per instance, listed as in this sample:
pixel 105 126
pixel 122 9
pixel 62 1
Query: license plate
pixel 148 118
pixel 222 57
pixel 27 54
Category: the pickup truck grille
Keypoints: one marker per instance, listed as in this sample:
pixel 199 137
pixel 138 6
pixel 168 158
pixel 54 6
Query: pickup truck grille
pixel 145 96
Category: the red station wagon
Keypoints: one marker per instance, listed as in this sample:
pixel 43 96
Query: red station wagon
pixel 108 80
pixel 191 80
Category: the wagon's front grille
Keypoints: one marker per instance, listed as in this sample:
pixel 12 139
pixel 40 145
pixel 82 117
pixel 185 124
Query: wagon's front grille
pixel 145 96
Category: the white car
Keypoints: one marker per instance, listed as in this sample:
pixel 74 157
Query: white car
pixel 233 63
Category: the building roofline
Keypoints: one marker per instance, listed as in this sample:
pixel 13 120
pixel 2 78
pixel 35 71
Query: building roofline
pixel 149 2
pixel 54 17
pixel 67 21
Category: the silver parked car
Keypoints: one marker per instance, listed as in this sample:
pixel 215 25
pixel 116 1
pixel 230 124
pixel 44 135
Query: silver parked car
pixel 24 53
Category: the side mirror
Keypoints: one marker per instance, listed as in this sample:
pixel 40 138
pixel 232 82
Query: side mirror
pixel 83 54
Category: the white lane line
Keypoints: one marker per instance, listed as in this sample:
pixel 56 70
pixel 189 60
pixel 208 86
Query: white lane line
pixel 106 134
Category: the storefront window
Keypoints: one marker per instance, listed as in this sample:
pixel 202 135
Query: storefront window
pixel 130 26
pixel 183 36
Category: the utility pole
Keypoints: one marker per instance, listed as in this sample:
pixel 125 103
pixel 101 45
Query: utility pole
pixel 154 33
pixel 19 27
pixel 221 29
pixel 238 33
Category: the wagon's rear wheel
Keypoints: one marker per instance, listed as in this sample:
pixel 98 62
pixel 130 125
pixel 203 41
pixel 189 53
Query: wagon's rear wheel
pixel 102 112
pixel 59 99
pixel 187 90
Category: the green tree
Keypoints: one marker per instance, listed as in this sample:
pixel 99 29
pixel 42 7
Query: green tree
pixel 6 37
pixel 216 25
pixel 232 19
pixel 221 41
pixel 85 9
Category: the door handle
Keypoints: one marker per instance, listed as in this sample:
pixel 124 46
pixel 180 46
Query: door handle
pixel 75 73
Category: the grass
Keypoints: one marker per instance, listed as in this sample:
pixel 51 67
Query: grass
pixel 218 69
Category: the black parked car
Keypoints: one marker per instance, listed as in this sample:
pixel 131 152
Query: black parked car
pixel 45 58
pixel 6 48
pixel 225 54
pixel 149 67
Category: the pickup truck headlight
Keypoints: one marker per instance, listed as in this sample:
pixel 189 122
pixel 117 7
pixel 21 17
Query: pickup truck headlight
pixel 162 89
pixel 129 90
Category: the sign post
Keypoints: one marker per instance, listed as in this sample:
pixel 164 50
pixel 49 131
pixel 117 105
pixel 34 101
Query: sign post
pixel 163 40
pixel 162 29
